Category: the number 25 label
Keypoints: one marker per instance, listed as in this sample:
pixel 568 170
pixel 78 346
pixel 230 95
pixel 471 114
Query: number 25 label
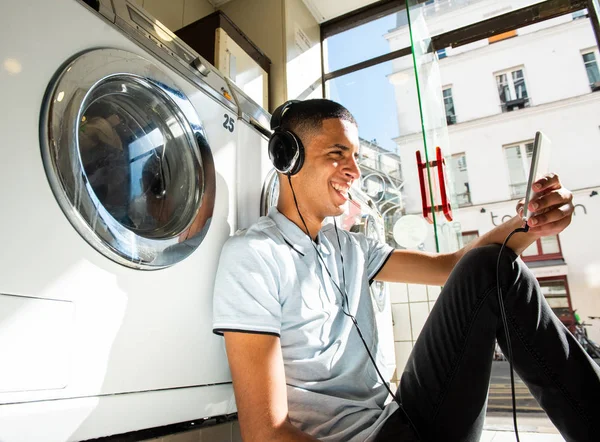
pixel 229 123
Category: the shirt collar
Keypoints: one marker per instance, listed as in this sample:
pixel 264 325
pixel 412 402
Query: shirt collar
pixel 295 237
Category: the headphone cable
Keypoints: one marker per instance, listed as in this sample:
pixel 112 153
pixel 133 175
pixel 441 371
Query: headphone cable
pixel 345 301
pixel 505 327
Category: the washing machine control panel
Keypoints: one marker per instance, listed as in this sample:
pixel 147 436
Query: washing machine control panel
pixel 136 23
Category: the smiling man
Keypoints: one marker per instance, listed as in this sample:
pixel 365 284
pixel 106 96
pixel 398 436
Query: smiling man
pixel 292 300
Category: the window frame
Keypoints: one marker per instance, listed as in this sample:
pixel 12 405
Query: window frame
pixel 500 24
pixel 466 170
pixel 448 117
pixel 544 257
pixel 511 87
pixel 469 232
pixel 564 278
pixel 592 50
pixel 521 145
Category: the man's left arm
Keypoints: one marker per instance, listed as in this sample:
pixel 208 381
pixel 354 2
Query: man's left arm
pixel 554 209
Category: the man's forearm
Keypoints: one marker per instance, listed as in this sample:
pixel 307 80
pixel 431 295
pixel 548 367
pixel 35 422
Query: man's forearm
pixel 517 243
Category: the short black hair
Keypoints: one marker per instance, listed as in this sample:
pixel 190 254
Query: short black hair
pixel 305 118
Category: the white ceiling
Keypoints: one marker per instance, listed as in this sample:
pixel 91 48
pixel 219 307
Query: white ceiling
pixel 324 10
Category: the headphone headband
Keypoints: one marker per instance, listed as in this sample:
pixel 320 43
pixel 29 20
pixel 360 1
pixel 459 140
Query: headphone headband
pixel 279 112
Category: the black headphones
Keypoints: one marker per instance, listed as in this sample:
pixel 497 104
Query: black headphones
pixel 286 150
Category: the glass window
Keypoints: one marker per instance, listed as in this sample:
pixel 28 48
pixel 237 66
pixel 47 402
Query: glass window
pixel 532 250
pixel 136 158
pixel 550 245
pixel 580 14
pixel 542 248
pixel 555 292
pixel 449 105
pixel 458 164
pixel 512 90
pixel 516 171
pixel 468 237
pixel 369 95
pixel 519 84
pixel 591 67
pixel 363 42
pixel 518 160
pixel 503 89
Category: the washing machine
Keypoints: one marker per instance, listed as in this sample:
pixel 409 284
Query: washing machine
pixel 118 189
pixel 362 215
pixel 254 165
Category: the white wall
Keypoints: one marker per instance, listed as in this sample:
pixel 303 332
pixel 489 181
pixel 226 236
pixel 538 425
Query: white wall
pixel 303 52
pixel 551 60
pixel 289 35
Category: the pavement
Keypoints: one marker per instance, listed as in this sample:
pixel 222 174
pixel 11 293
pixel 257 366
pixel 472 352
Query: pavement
pixel 536 427
pixel 533 423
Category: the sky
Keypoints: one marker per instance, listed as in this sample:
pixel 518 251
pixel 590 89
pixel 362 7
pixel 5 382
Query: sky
pixel 366 93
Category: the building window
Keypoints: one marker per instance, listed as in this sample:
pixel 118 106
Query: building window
pixel 556 292
pixel 580 14
pixel 458 168
pixel 449 105
pixel 518 160
pixel 591 68
pixel 512 90
pixel 467 237
pixel 545 248
pixel 441 53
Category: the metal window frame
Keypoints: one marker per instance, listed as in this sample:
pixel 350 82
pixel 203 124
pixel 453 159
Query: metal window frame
pixel 494 26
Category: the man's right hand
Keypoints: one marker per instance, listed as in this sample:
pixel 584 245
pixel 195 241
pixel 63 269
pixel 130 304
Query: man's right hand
pixel 258 375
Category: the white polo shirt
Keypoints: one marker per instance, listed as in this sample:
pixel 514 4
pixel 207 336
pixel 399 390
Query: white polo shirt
pixel 270 280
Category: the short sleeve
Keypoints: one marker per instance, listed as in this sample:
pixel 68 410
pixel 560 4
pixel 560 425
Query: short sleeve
pixel 377 255
pixel 246 295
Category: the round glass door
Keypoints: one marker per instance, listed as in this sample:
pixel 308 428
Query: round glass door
pixel 270 192
pixel 128 160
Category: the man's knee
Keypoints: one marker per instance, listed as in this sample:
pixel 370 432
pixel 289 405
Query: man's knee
pixel 488 255
pixel 484 262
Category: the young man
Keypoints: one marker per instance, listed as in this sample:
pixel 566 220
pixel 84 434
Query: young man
pixel 289 288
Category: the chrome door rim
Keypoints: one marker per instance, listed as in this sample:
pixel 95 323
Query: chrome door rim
pixel 61 115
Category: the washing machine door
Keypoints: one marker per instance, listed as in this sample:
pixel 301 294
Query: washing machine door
pixel 375 231
pixel 127 159
pixel 270 192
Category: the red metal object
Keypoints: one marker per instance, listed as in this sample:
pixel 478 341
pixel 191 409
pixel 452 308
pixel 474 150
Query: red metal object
pixel 441 168
pixel 424 185
pixel 439 191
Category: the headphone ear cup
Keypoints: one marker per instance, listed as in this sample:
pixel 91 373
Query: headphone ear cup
pixel 300 160
pixel 286 152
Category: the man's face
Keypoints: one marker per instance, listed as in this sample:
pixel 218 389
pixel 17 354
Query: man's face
pixel 330 167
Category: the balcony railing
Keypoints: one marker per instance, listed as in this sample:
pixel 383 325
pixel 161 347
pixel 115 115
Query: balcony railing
pixel 519 103
pixel 463 199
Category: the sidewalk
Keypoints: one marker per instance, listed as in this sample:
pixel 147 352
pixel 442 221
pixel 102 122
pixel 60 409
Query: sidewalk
pixel 534 427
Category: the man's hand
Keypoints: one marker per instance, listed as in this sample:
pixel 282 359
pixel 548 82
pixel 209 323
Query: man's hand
pixel 552 205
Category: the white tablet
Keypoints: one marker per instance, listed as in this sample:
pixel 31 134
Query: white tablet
pixel 540 162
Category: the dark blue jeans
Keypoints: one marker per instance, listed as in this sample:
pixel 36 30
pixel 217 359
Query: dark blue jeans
pixel 444 386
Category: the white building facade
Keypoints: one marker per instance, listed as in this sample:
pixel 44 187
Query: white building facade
pixel 498 93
